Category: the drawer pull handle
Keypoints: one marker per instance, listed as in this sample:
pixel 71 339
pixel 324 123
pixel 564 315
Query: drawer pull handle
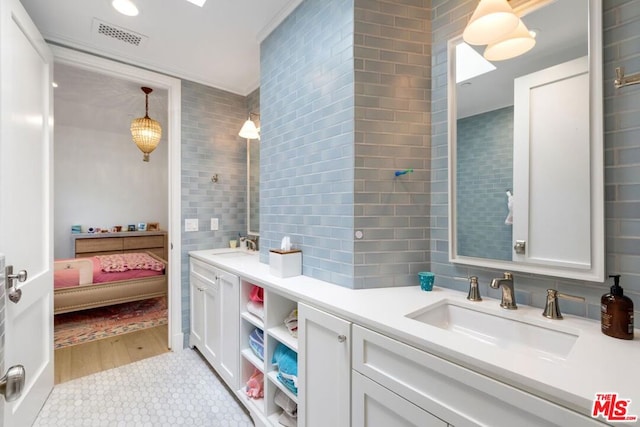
pixel 342 338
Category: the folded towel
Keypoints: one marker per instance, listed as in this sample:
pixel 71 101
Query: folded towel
pixel 255 385
pixel 256 342
pixel 287 420
pixel 256 294
pixel 291 322
pixel 256 308
pixel 286 403
pixel 286 360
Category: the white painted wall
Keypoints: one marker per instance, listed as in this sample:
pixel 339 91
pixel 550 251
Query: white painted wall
pixel 100 179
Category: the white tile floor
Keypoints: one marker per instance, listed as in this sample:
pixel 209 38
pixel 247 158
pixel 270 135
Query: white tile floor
pixel 176 388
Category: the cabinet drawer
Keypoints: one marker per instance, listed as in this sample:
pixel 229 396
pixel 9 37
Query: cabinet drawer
pixel 98 245
pixel 203 270
pixel 458 395
pixel 143 242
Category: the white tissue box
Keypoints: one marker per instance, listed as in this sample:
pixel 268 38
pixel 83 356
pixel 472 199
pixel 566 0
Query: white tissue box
pixel 285 263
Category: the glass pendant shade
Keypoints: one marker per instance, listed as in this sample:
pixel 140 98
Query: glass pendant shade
pixel 491 21
pixel 249 130
pixel 145 131
pixel 518 42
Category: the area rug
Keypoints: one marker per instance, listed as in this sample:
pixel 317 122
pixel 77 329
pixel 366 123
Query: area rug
pixel 97 323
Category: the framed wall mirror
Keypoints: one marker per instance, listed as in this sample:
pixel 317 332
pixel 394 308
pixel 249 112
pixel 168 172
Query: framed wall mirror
pixel 526 184
pixel 253 187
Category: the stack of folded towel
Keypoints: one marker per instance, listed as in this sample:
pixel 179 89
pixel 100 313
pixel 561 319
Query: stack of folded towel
pixel 289 415
pixel 255 305
pixel 286 360
pixel 256 342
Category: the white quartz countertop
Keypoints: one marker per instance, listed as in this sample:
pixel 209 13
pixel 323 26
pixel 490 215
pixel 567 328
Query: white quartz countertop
pixel 595 364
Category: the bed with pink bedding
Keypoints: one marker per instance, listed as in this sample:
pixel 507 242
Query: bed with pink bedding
pixel 102 280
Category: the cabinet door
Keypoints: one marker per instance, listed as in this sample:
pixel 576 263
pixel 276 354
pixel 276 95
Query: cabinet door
pixel 375 406
pixel 212 324
pixel 324 368
pixel 229 312
pixel 197 311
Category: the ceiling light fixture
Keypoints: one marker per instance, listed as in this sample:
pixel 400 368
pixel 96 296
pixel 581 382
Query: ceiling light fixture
pixel 125 7
pixel 145 131
pixel 249 129
pixel 198 2
pixel 491 21
pixel 515 44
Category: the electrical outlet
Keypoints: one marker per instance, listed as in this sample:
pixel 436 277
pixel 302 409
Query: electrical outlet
pixel 214 224
pixel 191 224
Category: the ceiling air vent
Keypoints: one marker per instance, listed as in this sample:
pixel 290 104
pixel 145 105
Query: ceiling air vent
pixel 104 29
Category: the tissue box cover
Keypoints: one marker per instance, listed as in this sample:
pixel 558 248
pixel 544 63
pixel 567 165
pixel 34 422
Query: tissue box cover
pixel 285 263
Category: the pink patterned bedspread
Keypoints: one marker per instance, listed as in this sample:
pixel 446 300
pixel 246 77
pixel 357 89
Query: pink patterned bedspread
pixel 129 261
pixel 68 278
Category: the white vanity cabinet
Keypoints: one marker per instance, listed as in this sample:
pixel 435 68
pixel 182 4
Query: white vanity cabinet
pixel 447 392
pixel 324 368
pixel 214 318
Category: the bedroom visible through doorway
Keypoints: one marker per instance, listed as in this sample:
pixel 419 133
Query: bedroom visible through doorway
pixel 102 187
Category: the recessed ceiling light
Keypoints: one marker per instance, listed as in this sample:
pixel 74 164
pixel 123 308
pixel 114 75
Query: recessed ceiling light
pixel 54 84
pixel 125 7
pixel 198 2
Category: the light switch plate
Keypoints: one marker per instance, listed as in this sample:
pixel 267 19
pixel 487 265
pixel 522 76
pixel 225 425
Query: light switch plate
pixel 191 224
pixel 214 224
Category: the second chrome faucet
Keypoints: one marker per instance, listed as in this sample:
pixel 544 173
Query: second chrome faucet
pixel 508 295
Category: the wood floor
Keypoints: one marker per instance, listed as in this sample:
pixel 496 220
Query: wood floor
pixel 96 356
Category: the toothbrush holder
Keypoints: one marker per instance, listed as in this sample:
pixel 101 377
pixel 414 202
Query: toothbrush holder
pixel 426 280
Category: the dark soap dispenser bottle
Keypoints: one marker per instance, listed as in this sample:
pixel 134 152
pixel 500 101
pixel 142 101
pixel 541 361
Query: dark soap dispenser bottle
pixel 616 312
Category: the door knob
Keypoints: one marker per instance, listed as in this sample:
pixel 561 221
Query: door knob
pixel 14 293
pixel 12 383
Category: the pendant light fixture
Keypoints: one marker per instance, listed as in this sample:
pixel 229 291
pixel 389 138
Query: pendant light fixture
pixel 145 131
pixel 249 129
pixel 491 21
pixel 516 43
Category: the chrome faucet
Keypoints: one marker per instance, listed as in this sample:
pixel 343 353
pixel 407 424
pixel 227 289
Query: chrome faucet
pixel 508 297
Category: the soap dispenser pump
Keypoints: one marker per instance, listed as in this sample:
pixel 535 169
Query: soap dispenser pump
pixel 616 312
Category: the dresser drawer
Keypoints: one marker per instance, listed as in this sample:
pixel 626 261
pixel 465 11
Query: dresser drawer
pixel 99 245
pixel 143 242
pixel 451 392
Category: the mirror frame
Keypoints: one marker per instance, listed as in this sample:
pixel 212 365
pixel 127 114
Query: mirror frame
pixel 596 132
pixel 250 232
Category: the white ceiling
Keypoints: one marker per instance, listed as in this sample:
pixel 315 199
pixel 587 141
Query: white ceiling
pixel 217 45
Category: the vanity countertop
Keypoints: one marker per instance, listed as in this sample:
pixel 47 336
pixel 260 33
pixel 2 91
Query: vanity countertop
pixel 595 364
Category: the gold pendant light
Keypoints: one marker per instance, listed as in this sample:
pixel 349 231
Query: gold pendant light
pixel 145 131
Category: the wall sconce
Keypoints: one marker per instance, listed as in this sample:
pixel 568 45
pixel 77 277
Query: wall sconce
pixel 249 129
pixel 145 131
pixel 495 24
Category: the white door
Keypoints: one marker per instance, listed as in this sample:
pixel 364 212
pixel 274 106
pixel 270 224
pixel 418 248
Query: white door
pixel 25 205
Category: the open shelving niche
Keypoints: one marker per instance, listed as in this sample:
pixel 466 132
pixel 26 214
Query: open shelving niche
pixel 276 309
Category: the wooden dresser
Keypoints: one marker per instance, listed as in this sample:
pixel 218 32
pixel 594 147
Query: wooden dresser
pixel 87 245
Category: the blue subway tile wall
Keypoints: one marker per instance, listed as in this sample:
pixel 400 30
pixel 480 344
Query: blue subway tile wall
pixel 307 150
pixel 483 177
pixel 211 119
pixel 392 53
pixel 621 33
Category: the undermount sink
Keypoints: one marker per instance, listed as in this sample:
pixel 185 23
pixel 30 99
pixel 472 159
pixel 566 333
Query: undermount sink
pixel 232 254
pixel 503 332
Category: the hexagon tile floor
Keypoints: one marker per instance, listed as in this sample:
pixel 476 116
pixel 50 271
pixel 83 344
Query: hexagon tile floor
pixel 175 388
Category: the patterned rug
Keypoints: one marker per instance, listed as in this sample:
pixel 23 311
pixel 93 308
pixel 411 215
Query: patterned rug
pixel 97 323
